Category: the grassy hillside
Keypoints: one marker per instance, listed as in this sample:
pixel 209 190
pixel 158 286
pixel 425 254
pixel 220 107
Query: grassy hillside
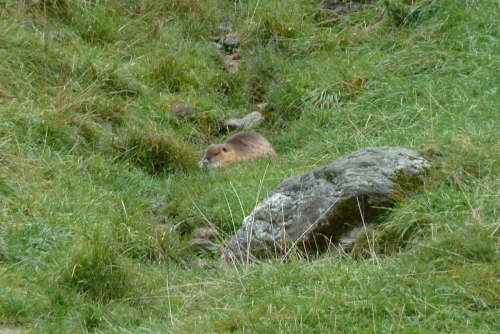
pixel 99 188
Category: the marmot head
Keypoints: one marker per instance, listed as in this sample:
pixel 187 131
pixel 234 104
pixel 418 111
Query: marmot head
pixel 217 156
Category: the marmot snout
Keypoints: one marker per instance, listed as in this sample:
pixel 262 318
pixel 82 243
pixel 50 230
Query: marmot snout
pixel 241 146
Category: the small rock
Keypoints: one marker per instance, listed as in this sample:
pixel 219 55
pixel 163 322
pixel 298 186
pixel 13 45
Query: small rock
pixel 226 25
pixel 230 43
pixel 232 63
pixel 344 6
pixel 215 39
pixel 249 121
pixel 204 245
pixel 182 110
pixel 235 56
pixel 204 233
pixel 158 204
pixel 262 106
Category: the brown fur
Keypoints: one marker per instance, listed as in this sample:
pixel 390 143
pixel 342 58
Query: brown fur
pixel 241 146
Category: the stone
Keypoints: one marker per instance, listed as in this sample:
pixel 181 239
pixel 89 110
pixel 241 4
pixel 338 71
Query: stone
pixel 262 106
pixel 158 204
pixel 249 121
pixel 204 233
pixel 344 6
pixel 231 62
pixel 182 110
pixel 230 43
pixel 204 245
pixel 339 8
pixel 325 207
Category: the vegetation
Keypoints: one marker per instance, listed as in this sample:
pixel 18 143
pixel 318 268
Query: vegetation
pixel 99 188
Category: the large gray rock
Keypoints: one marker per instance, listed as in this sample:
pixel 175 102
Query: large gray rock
pixel 324 207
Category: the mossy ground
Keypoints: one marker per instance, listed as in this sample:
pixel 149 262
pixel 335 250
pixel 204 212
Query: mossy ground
pixel 89 148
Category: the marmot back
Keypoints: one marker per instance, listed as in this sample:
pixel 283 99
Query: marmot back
pixel 241 146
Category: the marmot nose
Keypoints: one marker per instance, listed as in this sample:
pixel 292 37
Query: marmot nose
pixel 203 163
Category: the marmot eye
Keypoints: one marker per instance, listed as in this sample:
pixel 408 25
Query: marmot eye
pixel 224 149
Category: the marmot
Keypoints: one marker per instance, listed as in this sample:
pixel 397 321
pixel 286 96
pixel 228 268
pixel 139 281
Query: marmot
pixel 241 146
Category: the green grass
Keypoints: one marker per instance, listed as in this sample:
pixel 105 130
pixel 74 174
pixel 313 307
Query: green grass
pixel 99 188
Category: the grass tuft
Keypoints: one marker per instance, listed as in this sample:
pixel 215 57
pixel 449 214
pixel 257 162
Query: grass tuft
pixel 155 152
pixel 96 271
